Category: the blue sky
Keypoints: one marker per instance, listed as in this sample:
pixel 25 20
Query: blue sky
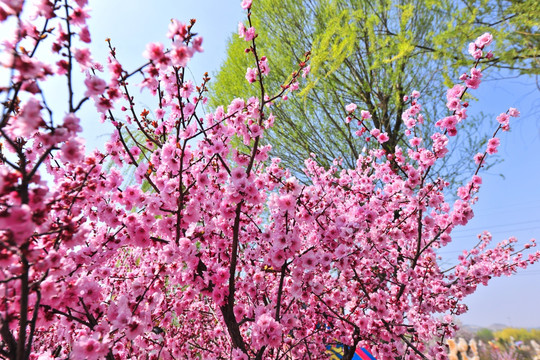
pixel 509 206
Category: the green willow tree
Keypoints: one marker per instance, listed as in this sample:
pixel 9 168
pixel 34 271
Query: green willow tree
pixel 373 53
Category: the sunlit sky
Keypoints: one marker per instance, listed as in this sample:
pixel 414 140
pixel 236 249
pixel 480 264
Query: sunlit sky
pixel 509 206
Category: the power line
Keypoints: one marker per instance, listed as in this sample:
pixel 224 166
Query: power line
pixel 510 230
pixel 497 226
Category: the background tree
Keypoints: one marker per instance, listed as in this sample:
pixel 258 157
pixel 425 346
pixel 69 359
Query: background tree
pixel 509 335
pixel 485 335
pixel 373 53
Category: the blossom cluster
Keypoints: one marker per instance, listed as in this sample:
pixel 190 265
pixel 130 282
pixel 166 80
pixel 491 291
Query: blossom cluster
pixel 211 250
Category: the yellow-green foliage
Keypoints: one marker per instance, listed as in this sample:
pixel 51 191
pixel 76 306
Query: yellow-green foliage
pixel 230 80
pixel 337 43
pixel 506 335
pixel 484 335
pixel 283 48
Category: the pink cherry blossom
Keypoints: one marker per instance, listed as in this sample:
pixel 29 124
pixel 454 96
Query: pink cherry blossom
pixel 183 238
pixel 29 118
pixel 263 66
pixel 365 114
pixel 82 56
pixel 503 119
pixel 351 107
pixel 94 86
pixel 84 35
pixel 176 28
pixel 72 151
pixel 513 112
pixel 241 30
pixel 382 138
pixel 251 75
pixel 154 51
pixel 180 55
pixel 88 348
pixel 79 16
pixel 305 71
pixel 246 4
pixel 249 34
pixel 483 40
pixel 492 145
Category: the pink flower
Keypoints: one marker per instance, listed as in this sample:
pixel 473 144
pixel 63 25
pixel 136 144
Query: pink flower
pixel 197 44
pixel 513 112
pixel 82 56
pixel 473 83
pixel 134 329
pixel 189 109
pixel 287 203
pixel 453 104
pixel 88 348
pixel 472 48
pixel 237 175
pixel 11 7
pixel 94 86
pixel 306 70
pixel 103 104
pixel 71 122
pixel 351 107
pixel 449 122
pixel 479 158
pixel 237 354
pixel 492 145
pixel 29 119
pixel 236 105
pixel 309 261
pixel 176 28
pixel 503 119
pixel 251 75
pixel 483 40
pixel 84 35
pixel 365 114
pixel 277 257
pixel 180 55
pixel 263 65
pixel 476 73
pixel 246 4
pixel 186 89
pixel 256 130
pixel 241 30
pixel 415 141
pixel 18 219
pixel 249 34
pixel 382 138
pixel 72 151
pixel 375 132
pixel 154 51
pixel 455 92
pixel 79 16
pixel 266 332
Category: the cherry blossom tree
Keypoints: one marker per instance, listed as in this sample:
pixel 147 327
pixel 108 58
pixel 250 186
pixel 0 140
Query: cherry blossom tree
pixel 213 251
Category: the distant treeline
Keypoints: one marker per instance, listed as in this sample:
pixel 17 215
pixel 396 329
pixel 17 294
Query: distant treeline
pixel 508 334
